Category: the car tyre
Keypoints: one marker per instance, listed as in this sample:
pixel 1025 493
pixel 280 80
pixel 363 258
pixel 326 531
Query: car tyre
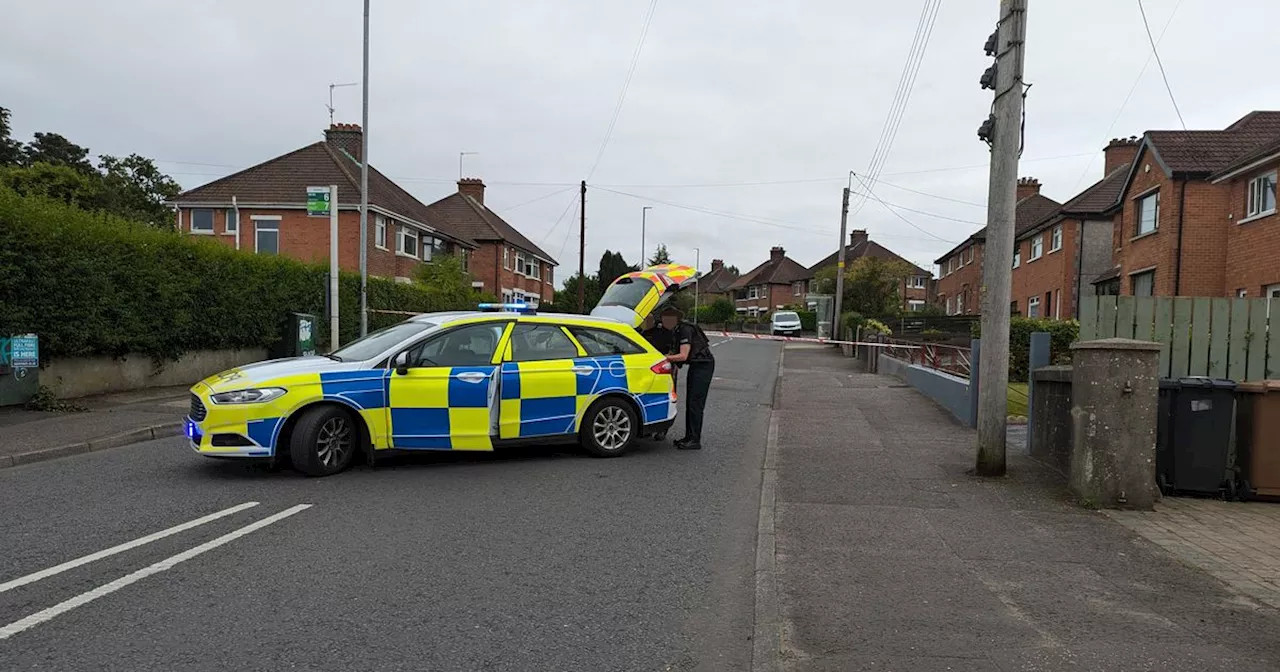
pixel 609 428
pixel 324 441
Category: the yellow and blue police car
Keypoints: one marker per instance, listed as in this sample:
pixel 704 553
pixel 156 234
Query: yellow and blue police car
pixel 462 381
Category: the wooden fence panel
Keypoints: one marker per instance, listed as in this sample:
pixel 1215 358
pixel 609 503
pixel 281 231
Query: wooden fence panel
pixel 1219 337
pixel 1107 316
pixel 1162 331
pixel 1126 306
pixel 1200 320
pixel 1089 318
pixel 1256 337
pixel 1272 369
pixel 1238 348
pixel 1180 339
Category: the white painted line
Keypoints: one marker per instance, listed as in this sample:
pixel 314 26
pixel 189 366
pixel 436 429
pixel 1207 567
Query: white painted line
pixel 124 581
pixel 46 573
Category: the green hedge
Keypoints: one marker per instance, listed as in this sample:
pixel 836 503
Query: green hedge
pixel 93 284
pixel 1062 333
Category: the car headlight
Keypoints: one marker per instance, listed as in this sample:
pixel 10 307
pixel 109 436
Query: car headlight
pixel 250 396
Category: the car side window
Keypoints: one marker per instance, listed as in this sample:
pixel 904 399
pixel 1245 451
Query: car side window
pixel 538 342
pixel 601 342
pixel 471 345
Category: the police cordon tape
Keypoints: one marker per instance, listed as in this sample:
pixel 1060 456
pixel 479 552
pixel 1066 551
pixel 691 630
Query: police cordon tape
pixel 805 339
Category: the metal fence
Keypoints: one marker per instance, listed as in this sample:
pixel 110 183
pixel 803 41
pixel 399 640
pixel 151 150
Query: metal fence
pixel 951 359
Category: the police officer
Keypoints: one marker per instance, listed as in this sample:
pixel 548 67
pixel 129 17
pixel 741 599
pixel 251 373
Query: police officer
pixel 691 350
pixel 657 335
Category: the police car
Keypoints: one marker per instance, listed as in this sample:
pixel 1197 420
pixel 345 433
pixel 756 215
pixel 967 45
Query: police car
pixel 460 381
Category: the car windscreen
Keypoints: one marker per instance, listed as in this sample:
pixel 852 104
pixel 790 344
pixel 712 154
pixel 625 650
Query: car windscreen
pixel 628 292
pixel 379 341
pixel 785 316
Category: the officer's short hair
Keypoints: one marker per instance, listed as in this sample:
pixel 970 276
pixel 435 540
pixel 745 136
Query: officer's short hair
pixel 670 310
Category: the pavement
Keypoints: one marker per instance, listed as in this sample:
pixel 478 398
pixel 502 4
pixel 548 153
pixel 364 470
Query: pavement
pixel 109 421
pixel 889 556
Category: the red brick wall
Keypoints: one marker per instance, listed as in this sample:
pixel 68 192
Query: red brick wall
pixel 1153 249
pixel 1253 248
pixel 1051 277
pixel 777 295
pixel 486 267
pixel 965 281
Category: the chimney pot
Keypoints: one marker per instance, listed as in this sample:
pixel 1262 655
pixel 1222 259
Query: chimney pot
pixel 473 187
pixel 857 236
pixel 345 137
pixel 1027 186
pixel 776 253
pixel 717 264
pixel 1119 152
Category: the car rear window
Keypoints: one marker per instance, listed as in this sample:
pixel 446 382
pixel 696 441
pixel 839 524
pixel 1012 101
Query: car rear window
pixel 601 342
pixel 785 316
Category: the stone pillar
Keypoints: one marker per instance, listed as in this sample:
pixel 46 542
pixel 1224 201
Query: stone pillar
pixel 1037 357
pixel 1114 395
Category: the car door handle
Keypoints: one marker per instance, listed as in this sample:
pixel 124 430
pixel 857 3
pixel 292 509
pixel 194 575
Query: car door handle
pixel 472 377
pixel 583 370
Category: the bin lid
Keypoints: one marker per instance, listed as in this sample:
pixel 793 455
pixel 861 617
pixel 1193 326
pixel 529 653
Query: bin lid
pixel 1205 382
pixel 1260 386
pixel 1169 384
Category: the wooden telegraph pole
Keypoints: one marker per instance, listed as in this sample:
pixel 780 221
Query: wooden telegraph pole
pixel 582 249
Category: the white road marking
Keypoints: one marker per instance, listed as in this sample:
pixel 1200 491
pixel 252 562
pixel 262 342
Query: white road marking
pixel 46 573
pixel 719 342
pixel 124 581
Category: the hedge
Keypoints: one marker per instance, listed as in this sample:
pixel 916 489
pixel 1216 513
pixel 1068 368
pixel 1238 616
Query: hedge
pixel 1062 333
pixel 93 284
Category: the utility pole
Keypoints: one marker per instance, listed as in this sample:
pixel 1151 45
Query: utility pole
pixel 844 222
pixel 582 249
pixel 1004 130
pixel 333 267
pixel 643 211
pixel 364 184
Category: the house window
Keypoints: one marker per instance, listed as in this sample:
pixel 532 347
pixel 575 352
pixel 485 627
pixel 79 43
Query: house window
pixel 1017 255
pixel 506 258
pixel 753 292
pixel 1262 195
pixel 1143 284
pixel 797 288
pixel 202 221
pixel 950 302
pixel 1242 293
pixel 915 306
pixel 1055 239
pixel 428 248
pixel 407 241
pixel 1033 307
pixel 465 257
pixel 1148 219
pixel 266 235
pixel 1271 292
pixel 521 268
pixel 1037 248
pixel 535 269
pixel 380 232
pixel 969 259
pixel 230 223
pixel 1057 304
pixel 960 303
pixel 917 282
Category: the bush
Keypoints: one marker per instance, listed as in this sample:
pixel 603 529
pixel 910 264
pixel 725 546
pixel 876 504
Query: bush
pixel 808 320
pixel 93 284
pixel 1062 333
pixel 849 322
pixel 719 311
pixel 933 335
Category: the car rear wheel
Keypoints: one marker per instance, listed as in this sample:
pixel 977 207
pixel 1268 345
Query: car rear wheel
pixel 324 441
pixel 608 428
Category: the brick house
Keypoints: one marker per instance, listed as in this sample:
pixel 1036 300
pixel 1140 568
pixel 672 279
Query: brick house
pixel 715 284
pixel 960 269
pixel 777 283
pixel 263 209
pixel 1057 259
pixel 1197 215
pixel 916 289
pixel 506 263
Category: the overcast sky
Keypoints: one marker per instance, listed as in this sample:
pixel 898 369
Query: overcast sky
pixel 725 92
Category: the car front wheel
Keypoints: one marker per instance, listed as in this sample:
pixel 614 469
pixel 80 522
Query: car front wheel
pixel 608 428
pixel 324 441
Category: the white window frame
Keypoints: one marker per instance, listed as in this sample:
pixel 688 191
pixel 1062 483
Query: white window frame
pixel 1033 307
pixel 1055 239
pixel 797 288
pixel 960 303
pixel 275 226
pixel 1145 272
pixel 191 223
pixel 1037 248
pixel 380 232
pixel 950 303
pixel 1242 293
pixel 1271 291
pixel 428 244
pixel 536 267
pixel 1140 207
pixel 506 258
pixel 231 225
pixel 915 305
pixel 1256 197
pixel 1017 255
pixel 917 282
pixel 753 292
pixel 968 259
pixel 403 233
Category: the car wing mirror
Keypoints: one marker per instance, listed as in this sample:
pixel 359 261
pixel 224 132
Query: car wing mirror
pixel 402 363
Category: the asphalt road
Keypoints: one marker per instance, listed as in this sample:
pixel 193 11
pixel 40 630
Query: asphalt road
pixel 539 559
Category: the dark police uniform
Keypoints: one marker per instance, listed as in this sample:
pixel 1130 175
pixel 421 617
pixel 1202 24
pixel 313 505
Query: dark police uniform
pixel 660 338
pixel 702 367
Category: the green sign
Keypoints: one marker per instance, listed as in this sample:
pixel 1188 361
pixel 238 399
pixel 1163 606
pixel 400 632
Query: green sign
pixel 317 201
pixel 306 340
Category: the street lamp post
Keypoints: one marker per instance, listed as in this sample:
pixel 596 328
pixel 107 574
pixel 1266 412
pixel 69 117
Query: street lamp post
pixel 364 184
pixel 643 212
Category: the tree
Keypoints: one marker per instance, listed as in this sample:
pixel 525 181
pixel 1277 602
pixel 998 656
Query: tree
pixel 445 278
pixel 872 286
pixel 137 189
pixel 10 149
pixel 612 266
pixel 733 270
pixel 660 256
pixel 721 310
pixel 57 150
pixel 64 183
pixel 566 299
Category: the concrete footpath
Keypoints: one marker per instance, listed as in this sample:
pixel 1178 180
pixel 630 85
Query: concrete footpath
pixel 109 421
pixel 890 557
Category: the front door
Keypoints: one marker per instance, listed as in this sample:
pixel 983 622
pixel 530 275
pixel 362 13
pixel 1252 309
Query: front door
pixel 445 400
pixel 539 383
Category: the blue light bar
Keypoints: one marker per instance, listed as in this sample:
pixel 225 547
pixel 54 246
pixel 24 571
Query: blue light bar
pixel 508 308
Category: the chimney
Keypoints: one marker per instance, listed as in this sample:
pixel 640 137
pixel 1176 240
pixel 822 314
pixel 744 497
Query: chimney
pixel 345 137
pixel 857 236
pixel 1027 186
pixel 717 265
pixel 473 187
pixel 776 253
pixel 1119 152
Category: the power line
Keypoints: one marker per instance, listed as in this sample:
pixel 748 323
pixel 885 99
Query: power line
pixel 918 212
pixel 941 198
pixel 1146 24
pixel 535 200
pixel 568 230
pixel 712 185
pixel 975 166
pixel 626 85
pixel 895 213
pixel 551 230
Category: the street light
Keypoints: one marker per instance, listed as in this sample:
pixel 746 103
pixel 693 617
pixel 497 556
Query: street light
pixel 364 184
pixel 643 211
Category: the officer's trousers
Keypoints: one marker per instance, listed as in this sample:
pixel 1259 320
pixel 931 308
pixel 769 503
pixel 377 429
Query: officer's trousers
pixel 697 386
